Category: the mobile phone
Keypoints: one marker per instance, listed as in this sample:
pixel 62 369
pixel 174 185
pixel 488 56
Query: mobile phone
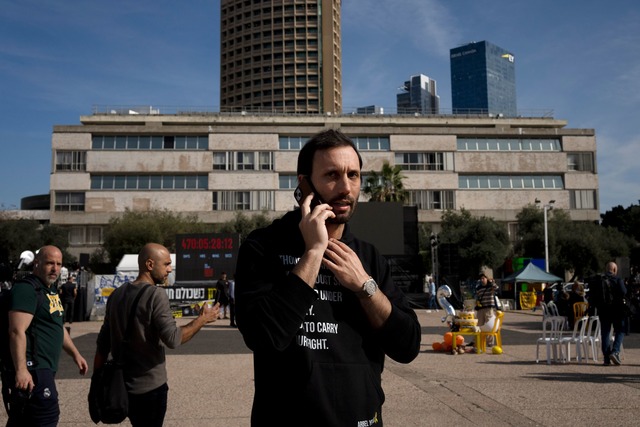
pixel 302 191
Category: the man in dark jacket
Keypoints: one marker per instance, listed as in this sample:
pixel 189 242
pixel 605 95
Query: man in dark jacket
pixel 611 311
pixel 317 306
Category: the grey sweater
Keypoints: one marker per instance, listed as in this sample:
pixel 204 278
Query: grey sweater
pixel 153 329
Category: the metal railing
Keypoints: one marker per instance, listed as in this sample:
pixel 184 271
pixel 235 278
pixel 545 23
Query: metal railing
pixel 280 111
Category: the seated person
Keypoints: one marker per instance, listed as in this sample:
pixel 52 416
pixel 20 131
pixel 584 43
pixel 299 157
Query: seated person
pixel 576 295
pixel 563 304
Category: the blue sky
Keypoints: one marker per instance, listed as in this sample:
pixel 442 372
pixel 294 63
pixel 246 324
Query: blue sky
pixel 59 58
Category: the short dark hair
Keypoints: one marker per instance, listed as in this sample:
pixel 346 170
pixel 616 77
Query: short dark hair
pixel 323 140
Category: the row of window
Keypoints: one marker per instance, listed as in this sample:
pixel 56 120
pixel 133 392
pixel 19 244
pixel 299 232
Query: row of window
pixel 75 161
pixel 275 33
pixel 243 200
pixel 150 142
pixel 363 143
pixel 437 161
pixel 378 143
pixel 243 160
pixel 72 201
pixel 432 200
pixel 90 235
pixel 582 199
pixel 506 182
pixel 258 200
pixel 149 182
pixel 580 162
pixel 508 144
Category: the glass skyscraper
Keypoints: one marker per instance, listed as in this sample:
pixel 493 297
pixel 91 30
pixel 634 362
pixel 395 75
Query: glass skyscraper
pixel 418 96
pixel 483 80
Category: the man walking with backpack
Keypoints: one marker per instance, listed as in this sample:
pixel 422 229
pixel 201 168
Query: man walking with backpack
pixel 607 297
pixel 153 329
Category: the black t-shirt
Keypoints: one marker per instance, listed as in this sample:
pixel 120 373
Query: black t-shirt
pixel 67 293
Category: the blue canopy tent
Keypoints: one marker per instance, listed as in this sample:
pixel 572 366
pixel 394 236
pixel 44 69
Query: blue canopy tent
pixel 530 274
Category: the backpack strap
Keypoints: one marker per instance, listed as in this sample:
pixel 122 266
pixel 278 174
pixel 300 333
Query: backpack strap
pixel 132 314
pixel 37 287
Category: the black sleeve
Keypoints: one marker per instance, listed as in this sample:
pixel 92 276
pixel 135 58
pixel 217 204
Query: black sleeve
pixel 270 303
pixel 401 334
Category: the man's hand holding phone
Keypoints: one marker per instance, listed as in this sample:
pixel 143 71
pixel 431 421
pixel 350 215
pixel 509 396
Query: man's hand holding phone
pixel 313 229
pixel 304 189
pixel 312 225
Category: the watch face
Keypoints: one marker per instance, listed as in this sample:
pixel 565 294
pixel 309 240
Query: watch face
pixel 370 287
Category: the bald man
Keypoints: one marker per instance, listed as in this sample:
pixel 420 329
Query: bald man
pixel 612 315
pixel 36 316
pixel 153 329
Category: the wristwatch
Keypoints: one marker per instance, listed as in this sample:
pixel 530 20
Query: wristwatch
pixel 369 288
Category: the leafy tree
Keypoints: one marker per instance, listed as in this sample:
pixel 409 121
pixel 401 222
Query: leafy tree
pixel 580 247
pixel 627 221
pixel 481 241
pixel 530 232
pixel 386 185
pixel 243 224
pixel 17 236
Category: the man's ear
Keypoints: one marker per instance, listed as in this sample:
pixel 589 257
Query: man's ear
pixel 149 264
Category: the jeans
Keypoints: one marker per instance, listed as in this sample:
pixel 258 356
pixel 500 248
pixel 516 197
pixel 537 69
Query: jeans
pixel 618 335
pixel 148 409
pixel 432 302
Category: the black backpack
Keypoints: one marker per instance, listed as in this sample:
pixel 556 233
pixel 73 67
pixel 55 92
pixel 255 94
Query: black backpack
pixel 5 302
pixel 608 299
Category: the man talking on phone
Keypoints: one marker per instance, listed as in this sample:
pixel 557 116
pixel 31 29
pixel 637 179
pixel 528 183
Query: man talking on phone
pixel 317 306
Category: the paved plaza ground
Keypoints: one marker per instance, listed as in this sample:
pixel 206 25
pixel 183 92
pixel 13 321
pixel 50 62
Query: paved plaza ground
pixel 211 382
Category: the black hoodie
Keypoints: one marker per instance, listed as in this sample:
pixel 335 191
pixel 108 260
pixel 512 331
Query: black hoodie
pixel 317 360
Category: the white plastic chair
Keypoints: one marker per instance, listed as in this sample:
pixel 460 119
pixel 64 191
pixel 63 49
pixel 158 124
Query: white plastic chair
pixel 553 308
pixel 551 335
pixel 576 338
pixel 553 311
pixel 545 310
pixel 592 338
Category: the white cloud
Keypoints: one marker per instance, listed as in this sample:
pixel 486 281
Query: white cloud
pixel 427 24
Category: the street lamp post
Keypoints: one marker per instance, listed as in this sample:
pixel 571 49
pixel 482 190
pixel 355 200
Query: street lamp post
pixel 434 256
pixel 546 208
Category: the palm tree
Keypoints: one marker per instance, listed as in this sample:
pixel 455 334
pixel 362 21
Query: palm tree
pixel 386 186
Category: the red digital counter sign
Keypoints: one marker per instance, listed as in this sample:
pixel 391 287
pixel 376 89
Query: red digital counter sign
pixel 203 257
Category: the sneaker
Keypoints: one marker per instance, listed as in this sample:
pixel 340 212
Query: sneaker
pixel 615 358
pixel 606 363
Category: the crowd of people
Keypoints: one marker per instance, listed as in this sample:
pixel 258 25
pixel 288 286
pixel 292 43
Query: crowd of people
pixel 606 296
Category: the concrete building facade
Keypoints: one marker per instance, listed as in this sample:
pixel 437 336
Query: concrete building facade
pixel 280 56
pixel 215 164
